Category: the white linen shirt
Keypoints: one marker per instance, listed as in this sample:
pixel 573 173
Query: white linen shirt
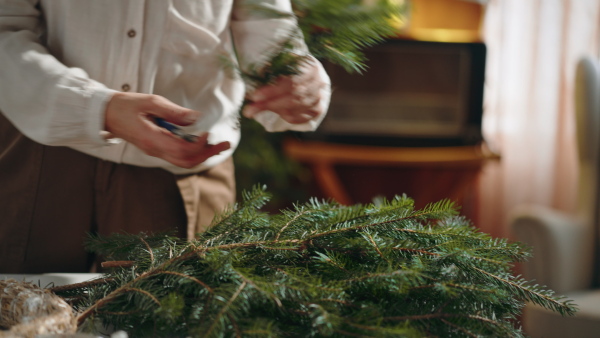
pixel 61 60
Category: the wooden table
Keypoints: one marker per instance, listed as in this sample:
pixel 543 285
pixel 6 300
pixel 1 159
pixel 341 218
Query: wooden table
pixel 356 174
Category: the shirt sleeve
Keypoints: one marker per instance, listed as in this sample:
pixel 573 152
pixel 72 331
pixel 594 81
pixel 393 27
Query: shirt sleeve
pixel 255 36
pixel 46 100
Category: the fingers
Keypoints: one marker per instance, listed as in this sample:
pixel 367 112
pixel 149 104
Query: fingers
pixel 290 108
pixel 302 84
pixel 296 99
pixel 159 142
pixel 196 153
pixel 282 86
pixel 174 150
pixel 130 116
pixel 161 107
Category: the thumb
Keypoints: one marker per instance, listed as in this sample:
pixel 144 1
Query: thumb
pixel 171 112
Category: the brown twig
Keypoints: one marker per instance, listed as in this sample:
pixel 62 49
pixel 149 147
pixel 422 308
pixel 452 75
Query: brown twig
pixel 69 287
pixel 88 312
pixel 372 241
pixel 291 221
pixel 144 292
pixel 117 264
pixel 238 333
pixel 284 249
pixel 120 313
pixel 149 250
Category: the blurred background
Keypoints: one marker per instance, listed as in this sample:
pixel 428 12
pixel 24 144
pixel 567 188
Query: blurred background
pixel 473 101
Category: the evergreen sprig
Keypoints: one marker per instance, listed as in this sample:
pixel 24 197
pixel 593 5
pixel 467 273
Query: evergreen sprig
pixel 320 269
pixel 338 30
pixel 334 31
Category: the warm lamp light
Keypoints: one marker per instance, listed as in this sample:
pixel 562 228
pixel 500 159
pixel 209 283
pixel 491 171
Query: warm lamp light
pixel 444 20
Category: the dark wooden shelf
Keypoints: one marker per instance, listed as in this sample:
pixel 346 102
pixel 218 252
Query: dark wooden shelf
pixel 356 174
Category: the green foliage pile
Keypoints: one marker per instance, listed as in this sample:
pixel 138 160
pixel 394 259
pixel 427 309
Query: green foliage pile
pixel 319 270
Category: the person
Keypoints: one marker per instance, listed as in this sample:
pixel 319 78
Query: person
pixel 82 84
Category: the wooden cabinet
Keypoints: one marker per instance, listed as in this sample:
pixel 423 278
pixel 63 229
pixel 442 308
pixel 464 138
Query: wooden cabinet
pixel 356 174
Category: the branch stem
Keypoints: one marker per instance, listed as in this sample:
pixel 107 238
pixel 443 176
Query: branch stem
pixel 224 309
pixel 70 287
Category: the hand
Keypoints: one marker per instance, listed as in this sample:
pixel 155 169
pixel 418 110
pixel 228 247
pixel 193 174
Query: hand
pixel 295 98
pixel 129 116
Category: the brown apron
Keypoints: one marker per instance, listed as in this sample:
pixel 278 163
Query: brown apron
pixel 51 197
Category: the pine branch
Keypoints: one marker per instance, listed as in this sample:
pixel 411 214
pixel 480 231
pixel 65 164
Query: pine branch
pixel 320 269
pixel 533 294
pixel 335 31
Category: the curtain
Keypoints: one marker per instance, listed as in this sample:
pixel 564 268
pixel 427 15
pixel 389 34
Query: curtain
pixel 533 47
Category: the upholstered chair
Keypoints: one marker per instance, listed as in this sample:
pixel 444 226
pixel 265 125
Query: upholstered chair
pixel 565 246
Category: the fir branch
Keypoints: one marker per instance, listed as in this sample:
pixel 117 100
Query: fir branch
pixel 309 284
pixel 459 328
pixel 440 316
pixel 381 275
pixel 253 199
pixel 462 287
pixel 335 31
pixel 529 293
pixel 225 307
pixel 182 275
pixel 128 287
pixel 89 311
pixel 372 241
pixel 236 328
pixel 321 269
pixel 492 261
pixel 431 212
pixel 269 294
pixel 296 217
pixel 143 292
pixel 330 261
pixel 422 252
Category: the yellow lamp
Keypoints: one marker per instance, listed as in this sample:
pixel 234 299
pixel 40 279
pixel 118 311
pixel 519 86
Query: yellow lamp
pixel 444 20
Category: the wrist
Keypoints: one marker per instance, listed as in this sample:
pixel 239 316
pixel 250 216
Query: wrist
pixel 96 123
pixel 109 112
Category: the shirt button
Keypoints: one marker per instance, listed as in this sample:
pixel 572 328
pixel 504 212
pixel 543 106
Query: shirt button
pixel 131 33
pixel 125 87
